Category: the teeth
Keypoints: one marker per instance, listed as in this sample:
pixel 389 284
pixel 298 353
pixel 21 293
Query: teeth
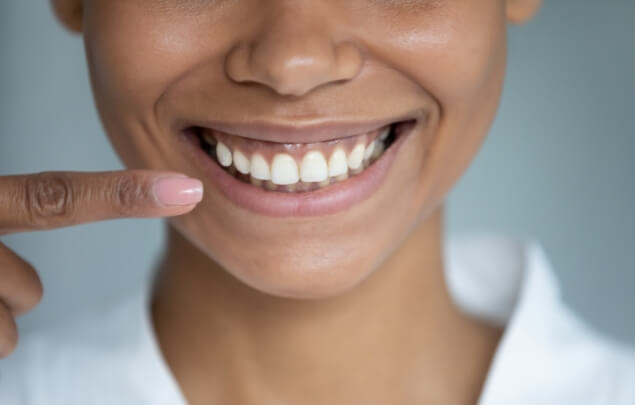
pixel 259 168
pixel 384 134
pixel 356 156
pixel 337 163
pixel 241 162
pixel 324 182
pixel 379 149
pixel 223 154
pixel 313 172
pixel 369 150
pixel 314 167
pixel 284 170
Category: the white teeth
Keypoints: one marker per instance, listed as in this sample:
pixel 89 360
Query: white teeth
pixel 384 134
pixel 356 156
pixel 284 170
pixel 241 162
pixel 314 167
pixel 379 149
pixel 259 168
pixel 369 150
pixel 337 163
pixel 223 154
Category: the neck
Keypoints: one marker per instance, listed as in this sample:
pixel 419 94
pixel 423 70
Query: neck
pixel 395 338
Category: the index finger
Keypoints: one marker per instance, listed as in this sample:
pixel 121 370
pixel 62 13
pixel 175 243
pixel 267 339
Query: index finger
pixel 55 199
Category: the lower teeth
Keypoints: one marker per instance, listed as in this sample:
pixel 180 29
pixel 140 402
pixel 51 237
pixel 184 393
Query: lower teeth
pixel 380 148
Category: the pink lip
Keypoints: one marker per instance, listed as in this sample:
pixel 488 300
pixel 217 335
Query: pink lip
pixel 302 132
pixel 326 201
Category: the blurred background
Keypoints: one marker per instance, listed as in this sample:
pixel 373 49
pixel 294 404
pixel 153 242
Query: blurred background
pixel 559 165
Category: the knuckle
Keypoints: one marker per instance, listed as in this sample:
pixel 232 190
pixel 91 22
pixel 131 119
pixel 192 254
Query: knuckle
pixel 33 295
pixel 128 191
pixel 49 198
pixel 21 288
pixel 8 336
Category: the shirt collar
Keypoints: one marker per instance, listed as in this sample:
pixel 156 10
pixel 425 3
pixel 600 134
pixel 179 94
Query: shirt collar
pixel 547 354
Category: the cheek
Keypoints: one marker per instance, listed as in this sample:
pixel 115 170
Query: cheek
pixel 134 53
pixel 131 51
pixel 456 55
pixel 461 63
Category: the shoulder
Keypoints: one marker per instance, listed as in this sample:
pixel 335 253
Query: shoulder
pixel 548 354
pixel 552 356
pixel 104 356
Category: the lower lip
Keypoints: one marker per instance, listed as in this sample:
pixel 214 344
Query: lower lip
pixel 325 201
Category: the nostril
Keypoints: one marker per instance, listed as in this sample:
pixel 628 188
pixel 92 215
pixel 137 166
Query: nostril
pixel 237 64
pixel 295 63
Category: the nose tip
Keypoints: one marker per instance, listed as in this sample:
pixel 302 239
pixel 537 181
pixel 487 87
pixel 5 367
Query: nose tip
pixel 293 63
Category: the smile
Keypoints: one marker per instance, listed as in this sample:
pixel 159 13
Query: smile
pixel 297 179
pixel 295 167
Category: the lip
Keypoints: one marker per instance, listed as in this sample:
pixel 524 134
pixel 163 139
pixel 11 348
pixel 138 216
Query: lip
pixel 326 201
pixel 306 131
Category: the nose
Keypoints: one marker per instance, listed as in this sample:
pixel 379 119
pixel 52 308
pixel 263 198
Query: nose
pixel 292 54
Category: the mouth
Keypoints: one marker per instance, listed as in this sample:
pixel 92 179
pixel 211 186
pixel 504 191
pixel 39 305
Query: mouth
pixel 297 179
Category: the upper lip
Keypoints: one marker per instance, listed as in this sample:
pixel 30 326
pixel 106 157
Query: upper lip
pixel 302 131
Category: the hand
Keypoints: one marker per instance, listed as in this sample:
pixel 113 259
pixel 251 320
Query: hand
pixel 58 199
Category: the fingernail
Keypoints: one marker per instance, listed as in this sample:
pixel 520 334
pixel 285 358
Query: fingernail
pixel 172 191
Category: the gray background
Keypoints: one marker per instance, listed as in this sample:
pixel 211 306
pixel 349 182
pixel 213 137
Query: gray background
pixel 558 165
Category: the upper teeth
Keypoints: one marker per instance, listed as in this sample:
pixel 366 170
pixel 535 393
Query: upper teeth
pixel 356 156
pixel 260 168
pixel 369 150
pixel 338 163
pixel 313 167
pixel 384 134
pixel 223 154
pixel 241 162
pixel 284 170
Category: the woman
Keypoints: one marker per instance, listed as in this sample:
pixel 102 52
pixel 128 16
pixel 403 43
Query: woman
pixel 326 135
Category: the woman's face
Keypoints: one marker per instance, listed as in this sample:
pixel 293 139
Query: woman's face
pixel 278 79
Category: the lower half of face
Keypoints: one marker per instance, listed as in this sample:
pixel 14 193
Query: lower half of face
pixel 324 131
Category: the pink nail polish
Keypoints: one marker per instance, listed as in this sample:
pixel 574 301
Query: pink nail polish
pixel 172 191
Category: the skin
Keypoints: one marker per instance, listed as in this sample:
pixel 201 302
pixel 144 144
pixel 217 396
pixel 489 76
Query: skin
pixel 356 297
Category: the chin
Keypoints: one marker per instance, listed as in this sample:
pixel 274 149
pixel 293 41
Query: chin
pixel 298 276
pixel 301 270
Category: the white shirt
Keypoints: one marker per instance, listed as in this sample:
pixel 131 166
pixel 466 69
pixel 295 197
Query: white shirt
pixel 547 355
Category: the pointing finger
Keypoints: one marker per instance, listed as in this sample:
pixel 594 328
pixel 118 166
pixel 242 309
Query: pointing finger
pixel 56 199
